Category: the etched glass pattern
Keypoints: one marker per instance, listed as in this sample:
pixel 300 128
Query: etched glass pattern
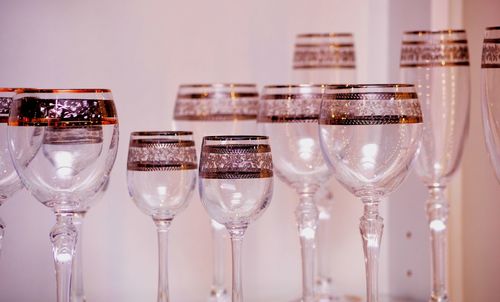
pixel 328 50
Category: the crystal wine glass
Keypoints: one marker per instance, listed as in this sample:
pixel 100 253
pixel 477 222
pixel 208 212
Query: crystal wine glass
pixel 236 186
pixel 63 144
pixel 213 109
pixel 324 58
pixel 289 115
pixel 369 135
pixel 490 77
pixel 9 181
pixel 437 62
pixel 161 174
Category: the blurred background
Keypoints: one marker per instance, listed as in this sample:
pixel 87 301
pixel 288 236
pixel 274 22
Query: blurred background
pixel 143 50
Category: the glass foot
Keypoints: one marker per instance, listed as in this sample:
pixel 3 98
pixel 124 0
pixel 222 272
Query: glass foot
pixel 218 295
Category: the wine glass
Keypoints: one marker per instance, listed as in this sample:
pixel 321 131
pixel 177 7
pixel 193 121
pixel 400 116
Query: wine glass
pixel 161 174
pixel 490 75
pixel 288 114
pixel 236 186
pixel 324 58
pixel 437 62
pixel 212 109
pixel 9 181
pixel 63 143
pixel 369 135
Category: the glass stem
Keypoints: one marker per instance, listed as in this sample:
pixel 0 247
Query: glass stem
pixel 2 233
pixel 218 237
pixel 63 237
pixel 236 243
pixel 77 292
pixel 162 226
pixel 371 227
pixel 437 215
pixel 307 219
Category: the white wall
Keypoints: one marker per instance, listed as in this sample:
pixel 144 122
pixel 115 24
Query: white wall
pixel 481 191
pixel 143 50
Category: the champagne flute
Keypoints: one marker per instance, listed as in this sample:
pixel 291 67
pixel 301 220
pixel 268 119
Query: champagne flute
pixel 289 115
pixel 236 186
pixel 324 58
pixel 321 58
pixel 369 135
pixel 490 75
pixel 161 174
pixel 437 62
pixel 9 181
pixel 63 143
pixel 212 109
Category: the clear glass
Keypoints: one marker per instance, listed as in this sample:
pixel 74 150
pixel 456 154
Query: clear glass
pixel 9 181
pixel 213 109
pixel 236 186
pixel 289 115
pixel 490 93
pixel 437 62
pixel 161 174
pixel 369 135
pixel 324 58
pixel 63 143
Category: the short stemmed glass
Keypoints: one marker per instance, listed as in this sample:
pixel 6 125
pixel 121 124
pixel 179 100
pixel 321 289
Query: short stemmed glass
pixel 369 135
pixel 289 115
pixel 9 181
pixel 321 58
pixel 490 76
pixel 437 62
pixel 161 174
pixel 213 109
pixel 63 144
pixel 236 186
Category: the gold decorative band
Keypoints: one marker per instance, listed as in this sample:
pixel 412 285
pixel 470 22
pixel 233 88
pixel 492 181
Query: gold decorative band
pixel 347 120
pixel 236 148
pixel 46 90
pixel 32 111
pixel 292 96
pixel 324 66
pixel 4 119
pixel 236 174
pixel 215 117
pixel 4 108
pixel 434 42
pixel 151 143
pixel 218 85
pixel 323 35
pixel 155 166
pixel 212 95
pixel 373 96
pixel 434 55
pixel 436 64
pixel 288 119
pixel 334 45
pixel 491 53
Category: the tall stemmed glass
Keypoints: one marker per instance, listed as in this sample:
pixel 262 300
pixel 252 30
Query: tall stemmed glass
pixel 490 88
pixel 369 134
pixel 213 109
pixel 324 58
pixel 321 58
pixel 289 115
pixel 236 186
pixel 63 143
pixel 161 174
pixel 437 62
pixel 9 181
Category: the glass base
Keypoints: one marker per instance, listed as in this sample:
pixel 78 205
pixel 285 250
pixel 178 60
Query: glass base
pixel 78 299
pixel 219 295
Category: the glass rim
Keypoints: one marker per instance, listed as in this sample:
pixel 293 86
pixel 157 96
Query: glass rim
pixel 297 86
pixel 324 35
pixel 235 137
pixel 161 133
pixel 62 90
pixel 388 85
pixel 433 32
pixel 493 28
pixel 217 85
